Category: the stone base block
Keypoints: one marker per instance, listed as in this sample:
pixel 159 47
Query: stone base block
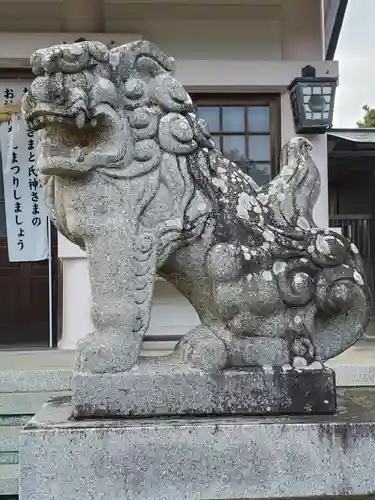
pixel 164 388
pixel 197 458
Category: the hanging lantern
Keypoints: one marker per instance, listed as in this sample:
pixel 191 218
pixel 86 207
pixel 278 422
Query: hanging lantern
pixel 312 101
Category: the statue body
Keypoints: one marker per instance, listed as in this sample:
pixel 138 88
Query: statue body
pixel 132 176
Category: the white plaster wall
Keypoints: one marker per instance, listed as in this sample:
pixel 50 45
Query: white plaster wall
pixel 76 298
pixel 219 39
pixel 171 313
pixel 302 28
pixel 22 45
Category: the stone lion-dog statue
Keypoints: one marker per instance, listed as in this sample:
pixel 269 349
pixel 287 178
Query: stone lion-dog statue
pixel 132 176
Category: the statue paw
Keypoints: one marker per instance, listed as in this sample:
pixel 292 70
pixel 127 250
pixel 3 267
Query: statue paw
pixel 105 354
pixel 302 351
pixel 201 348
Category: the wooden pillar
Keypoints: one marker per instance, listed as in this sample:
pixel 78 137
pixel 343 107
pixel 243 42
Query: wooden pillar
pixel 82 16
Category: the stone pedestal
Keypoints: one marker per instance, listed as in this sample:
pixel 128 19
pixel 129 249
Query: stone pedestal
pixel 196 458
pixel 170 387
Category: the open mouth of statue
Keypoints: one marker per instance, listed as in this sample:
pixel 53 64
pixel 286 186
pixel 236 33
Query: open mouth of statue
pixel 44 118
pixel 76 138
pixel 76 130
pixel 64 130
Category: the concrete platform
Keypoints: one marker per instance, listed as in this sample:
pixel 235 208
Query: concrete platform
pixel 8 480
pixel 197 458
pixel 28 378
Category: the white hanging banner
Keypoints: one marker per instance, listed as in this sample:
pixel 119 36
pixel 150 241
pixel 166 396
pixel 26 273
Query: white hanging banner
pixel 25 210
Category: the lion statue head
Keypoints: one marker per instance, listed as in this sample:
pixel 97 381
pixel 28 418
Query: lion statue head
pixel 106 109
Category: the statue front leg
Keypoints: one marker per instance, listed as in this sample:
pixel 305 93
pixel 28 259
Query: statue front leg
pixel 122 274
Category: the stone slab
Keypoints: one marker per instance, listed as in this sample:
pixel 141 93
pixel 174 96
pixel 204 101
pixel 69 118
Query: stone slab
pixel 35 380
pixel 9 457
pixel 9 479
pixel 9 438
pixel 14 420
pixel 197 458
pixel 25 403
pixel 165 388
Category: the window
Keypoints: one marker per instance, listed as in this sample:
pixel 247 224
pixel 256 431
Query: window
pixel 246 130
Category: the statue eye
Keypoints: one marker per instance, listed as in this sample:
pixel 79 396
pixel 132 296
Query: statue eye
pixel 134 88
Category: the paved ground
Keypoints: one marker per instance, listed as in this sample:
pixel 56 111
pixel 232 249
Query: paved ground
pixel 370 332
pixel 361 354
pixel 36 360
pixel 363 396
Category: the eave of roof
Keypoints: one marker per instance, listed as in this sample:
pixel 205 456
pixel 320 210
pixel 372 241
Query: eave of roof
pixel 358 135
pixel 332 45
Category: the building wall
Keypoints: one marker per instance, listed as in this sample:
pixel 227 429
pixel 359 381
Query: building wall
pixel 221 48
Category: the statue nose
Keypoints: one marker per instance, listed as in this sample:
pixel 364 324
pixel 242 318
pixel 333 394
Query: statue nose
pixel 48 88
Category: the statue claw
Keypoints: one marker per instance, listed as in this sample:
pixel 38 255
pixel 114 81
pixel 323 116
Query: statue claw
pixel 105 354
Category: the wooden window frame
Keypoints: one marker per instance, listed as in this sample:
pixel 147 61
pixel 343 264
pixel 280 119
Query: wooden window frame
pixel 20 73
pixel 271 100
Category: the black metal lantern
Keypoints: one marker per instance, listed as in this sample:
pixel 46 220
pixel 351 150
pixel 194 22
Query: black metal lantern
pixel 312 101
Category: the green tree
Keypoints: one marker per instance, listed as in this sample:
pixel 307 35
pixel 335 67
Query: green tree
pixel 368 120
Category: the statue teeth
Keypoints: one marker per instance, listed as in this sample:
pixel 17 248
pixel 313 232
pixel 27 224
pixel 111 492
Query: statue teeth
pixel 80 156
pixel 80 119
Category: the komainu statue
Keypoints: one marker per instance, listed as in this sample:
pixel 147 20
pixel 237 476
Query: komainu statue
pixel 132 176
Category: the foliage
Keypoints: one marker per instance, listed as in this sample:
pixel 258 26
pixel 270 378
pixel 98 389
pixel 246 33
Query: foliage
pixel 368 119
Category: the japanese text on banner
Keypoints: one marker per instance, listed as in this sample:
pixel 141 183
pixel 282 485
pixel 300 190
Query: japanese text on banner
pixel 26 213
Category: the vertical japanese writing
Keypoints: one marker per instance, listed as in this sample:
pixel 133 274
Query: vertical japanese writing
pixel 17 198
pixel 25 210
pixel 8 99
pixel 9 95
pixel 33 180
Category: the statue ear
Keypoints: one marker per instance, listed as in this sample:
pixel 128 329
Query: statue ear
pixel 149 66
pixel 143 57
